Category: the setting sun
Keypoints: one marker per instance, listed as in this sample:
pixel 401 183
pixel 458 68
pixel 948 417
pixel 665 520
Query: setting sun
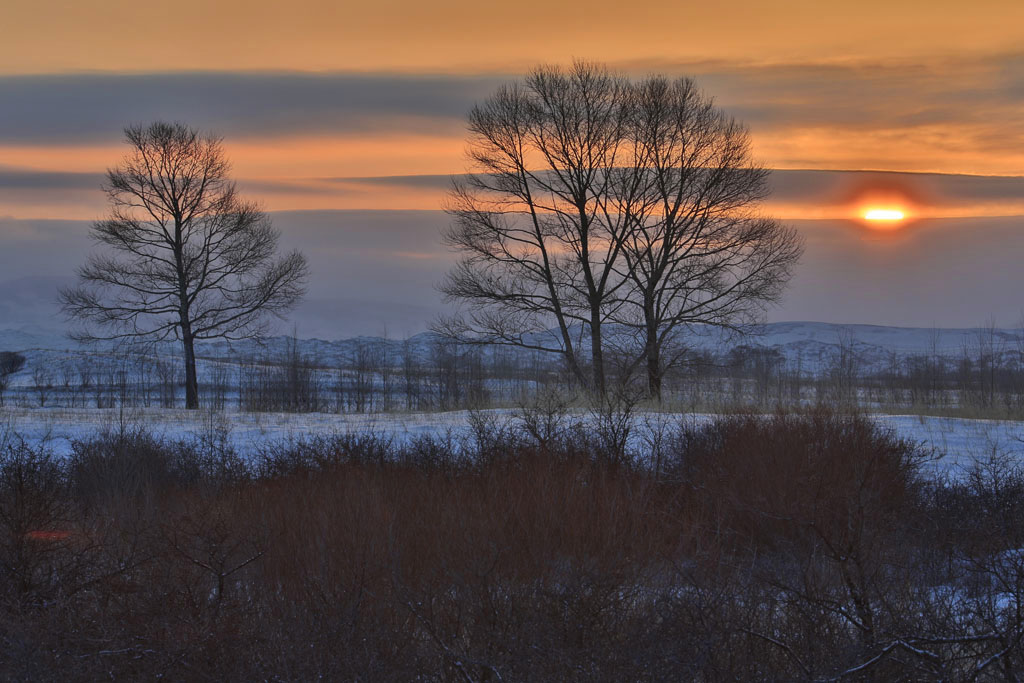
pixel 883 215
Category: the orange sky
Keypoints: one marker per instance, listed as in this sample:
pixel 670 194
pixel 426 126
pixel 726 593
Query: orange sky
pixel 329 105
pixel 46 36
pixel 906 86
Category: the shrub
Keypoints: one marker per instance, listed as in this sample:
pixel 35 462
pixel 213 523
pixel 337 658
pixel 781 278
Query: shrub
pixel 786 547
pixel 34 515
pixel 769 477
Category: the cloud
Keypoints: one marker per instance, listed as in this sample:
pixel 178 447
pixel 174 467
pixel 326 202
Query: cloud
pixel 435 181
pixel 795 193
pixel 15 178
pixel 91 108
pixel 815 188
pixel 980 96
pixel 860 94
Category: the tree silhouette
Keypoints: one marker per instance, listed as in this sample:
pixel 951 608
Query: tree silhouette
pixel 593 199
pixel 188 259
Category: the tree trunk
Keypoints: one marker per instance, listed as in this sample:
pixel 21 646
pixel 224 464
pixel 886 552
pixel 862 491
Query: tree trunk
pixel 191 380
pixel 570 352
pixel 597 351
pixel 652 349
pixel 653 372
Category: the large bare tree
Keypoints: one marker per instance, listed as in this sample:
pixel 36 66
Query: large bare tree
pixel 536 222
pixel 593 199
pixel 698 252
pixel 188 259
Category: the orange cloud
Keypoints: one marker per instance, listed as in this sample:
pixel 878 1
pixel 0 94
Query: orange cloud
pixel 346 156
pixel 945 148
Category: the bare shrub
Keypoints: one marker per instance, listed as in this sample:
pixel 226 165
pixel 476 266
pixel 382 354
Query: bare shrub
pixel 545 418
pixel 822 468
pixel 788 547
pixel 493 436
pixel 34 516
pixel 612 421
pixel 130 464
pixel 310 455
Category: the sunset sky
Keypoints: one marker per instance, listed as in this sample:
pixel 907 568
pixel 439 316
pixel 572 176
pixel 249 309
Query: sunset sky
pixel 346 121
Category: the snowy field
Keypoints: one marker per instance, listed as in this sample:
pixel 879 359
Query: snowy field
pixel 957 442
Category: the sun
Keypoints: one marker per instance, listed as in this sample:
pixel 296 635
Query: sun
pixel 883 208
pixel 883 215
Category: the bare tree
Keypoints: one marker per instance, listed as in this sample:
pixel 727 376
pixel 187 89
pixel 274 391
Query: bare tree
pixel 536 220
pixel 67 381
pixel 165 373
pixel 191 260
pixel 697 253
pixel 594 199
pixel 989 348
pixel 42 381
pixel 366 363
pixel 411 376
pixel 845 368
pixel 85 377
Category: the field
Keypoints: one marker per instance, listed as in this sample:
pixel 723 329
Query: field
pixel 955 442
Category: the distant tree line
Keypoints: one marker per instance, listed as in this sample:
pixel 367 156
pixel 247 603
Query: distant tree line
pixel 984 377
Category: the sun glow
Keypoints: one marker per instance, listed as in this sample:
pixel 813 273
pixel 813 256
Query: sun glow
pixel 883 215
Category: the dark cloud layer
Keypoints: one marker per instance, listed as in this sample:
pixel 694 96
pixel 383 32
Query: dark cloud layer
pixel 954 272
pixel 980 94
pixel 813 188
pixel 816 188
pixel 81 108
pixel 823 188
pixel 866 95
pixel 13 178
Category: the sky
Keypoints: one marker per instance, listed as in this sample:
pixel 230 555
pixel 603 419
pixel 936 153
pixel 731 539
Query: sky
pixel 346 122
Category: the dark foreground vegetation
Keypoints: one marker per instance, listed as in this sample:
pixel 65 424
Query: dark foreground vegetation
pixel 797 547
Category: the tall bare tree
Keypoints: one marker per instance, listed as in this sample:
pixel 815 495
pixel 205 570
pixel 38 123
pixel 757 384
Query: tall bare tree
pixel 594 199
pixel 697 252
pixel 188 259
pixel 536 221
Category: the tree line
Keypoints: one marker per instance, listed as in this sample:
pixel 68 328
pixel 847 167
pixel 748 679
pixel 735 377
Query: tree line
pixel 984 377
pixel 601 216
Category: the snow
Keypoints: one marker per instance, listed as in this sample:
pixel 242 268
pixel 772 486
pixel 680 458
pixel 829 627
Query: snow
pixel 956 442
pixel 246 431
